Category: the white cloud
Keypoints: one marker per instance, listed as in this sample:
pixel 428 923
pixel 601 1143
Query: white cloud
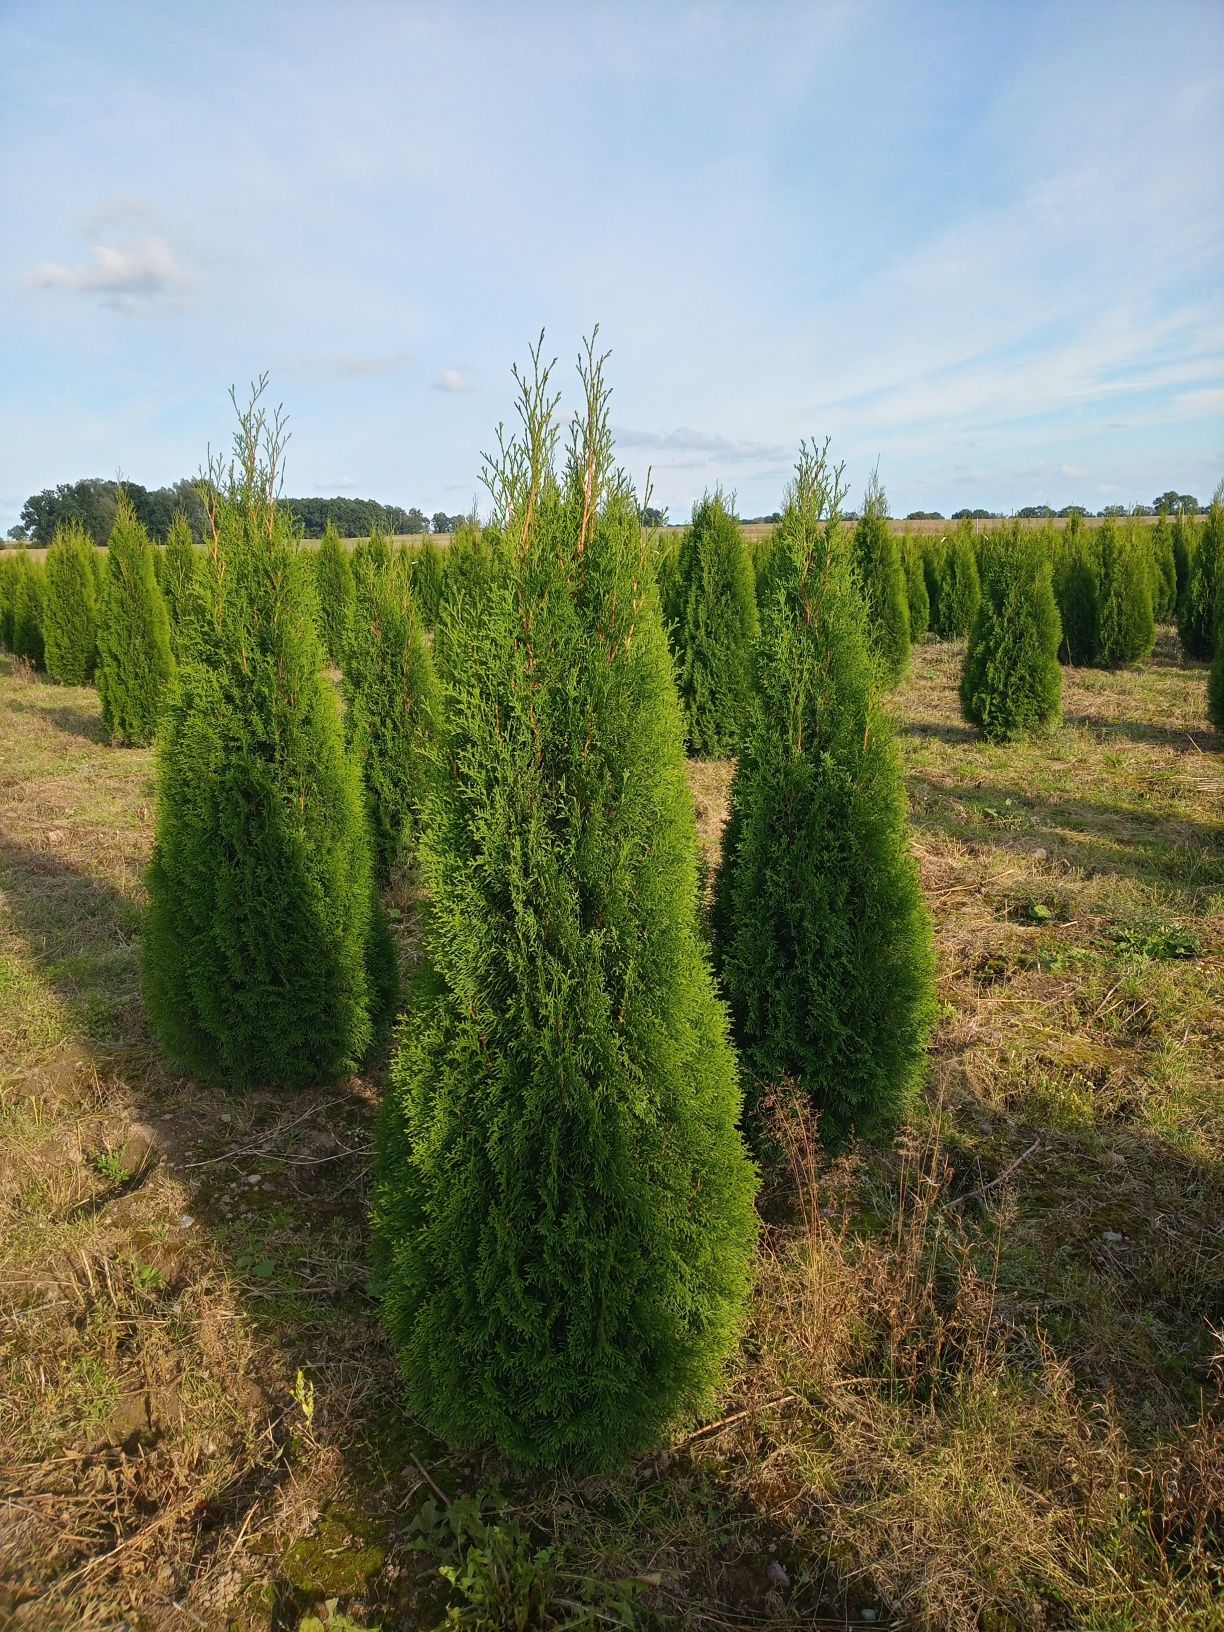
pixel 125 279
pixel 453 381
pixel 685 440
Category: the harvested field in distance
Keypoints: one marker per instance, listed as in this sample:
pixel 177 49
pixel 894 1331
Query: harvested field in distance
pixel 977 1387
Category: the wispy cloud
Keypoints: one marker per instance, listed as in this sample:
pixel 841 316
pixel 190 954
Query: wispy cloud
pixel 121 211
pixel 453 381
pixel 684 440
pixel 126 279
pixel 350 365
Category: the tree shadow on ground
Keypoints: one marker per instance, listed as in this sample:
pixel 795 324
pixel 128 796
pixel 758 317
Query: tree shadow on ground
pixel 72 720
pixel 941 731
pixel 1201 739
pixel 1095 836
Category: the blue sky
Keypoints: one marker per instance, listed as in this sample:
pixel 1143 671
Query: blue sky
pixel 981 243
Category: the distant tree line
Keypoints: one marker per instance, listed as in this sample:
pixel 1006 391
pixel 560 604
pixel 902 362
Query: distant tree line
pixel 92 504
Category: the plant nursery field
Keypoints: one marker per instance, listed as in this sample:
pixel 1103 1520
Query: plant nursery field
pixel 980 1385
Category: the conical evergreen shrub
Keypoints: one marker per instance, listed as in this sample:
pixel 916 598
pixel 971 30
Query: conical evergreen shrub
pixel 1164 571
pixel 70 613
pixel 822 937
pixel 29 589
pixel 8 570
pixel 1196 619
pixel 1215 680
pixel 1127 630
pixel 881 582
pixel 916 589
pixel 934 552
pixel 334 593
pixel 1011 683
pixel 1077 593
pixel 563 1209
pixel 390 694
pixel 959 586
pixel 266 957
pixel 1182 536
pixel 428 575
pixel 135 667
pixel 715 623
pixel 181 565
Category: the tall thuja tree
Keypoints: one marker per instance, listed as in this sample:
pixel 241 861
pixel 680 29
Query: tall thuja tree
pixel 8 567
pixel 181 566
pixel 135 666
pixel 916 590
pixel 1076 565
pixel 1196 619
pixel 563 1208
pixel 1215 680
pixel 70 617
pixel 428 574
pixel 1183 539
pixel 29 591
pixel 959 585
pixel 266 956
pixel 822 937
pixel 390 694
pixel 1127 630
pixel 714 615
pixel 1011 683
pixel 881 581
pixel 334 594
pixel 933 551
pixel 1163 571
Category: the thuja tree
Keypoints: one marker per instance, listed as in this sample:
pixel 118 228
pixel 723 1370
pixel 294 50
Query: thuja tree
pixel 1127 630
pixel 29 589
pixel 822 937
pixel 1183 538
pixel 8 564
pixel 334 592
pixel 881 582
pixel 956 603
pixel 1215 680
pixel 1076 573
pixel 563 1209
pixel 715 622
pixel 1011 683
pixel 390 695
pixel 135 666
pixel 428 573
pixel 181 565
pixel 70 615
pixel 266 958
pixel 1196 619
pixel 1164 571
pixel 916 590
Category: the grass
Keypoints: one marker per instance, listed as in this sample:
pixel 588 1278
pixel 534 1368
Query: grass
pixel 981 1385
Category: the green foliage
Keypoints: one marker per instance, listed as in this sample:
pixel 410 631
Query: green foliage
pixel 135 666
pixel 880 577
pixel 390 693
pixel 916 591
pixel 1196 616
pixel 29 590
pixel 1127 630
pixel 563 1208
pixel 334 591
pixel 8 587
pixel 1011 683
pixel 70 613
pixel 1183 538
pixel 715 623
pixel 822 937
pixel 499 1579
pixel 428 575
pixel 1215 680
pixel 469 564
pixel 266 957
pixel 1164 571
pixel 181 565
pixel 954 606
pixel 1076 577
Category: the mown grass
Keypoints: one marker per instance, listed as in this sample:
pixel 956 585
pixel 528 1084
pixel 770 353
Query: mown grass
pixel 981 1386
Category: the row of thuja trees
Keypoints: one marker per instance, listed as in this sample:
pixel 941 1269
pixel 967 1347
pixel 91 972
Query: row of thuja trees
pixel 563 1218
pixel 1026 600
